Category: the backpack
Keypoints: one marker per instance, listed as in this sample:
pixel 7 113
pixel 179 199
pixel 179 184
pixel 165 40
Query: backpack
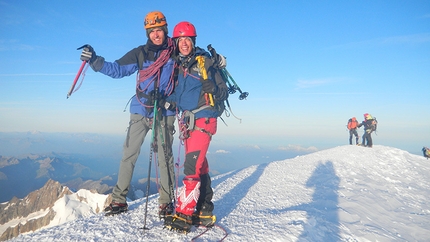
pixel 352 123
pixel 373 124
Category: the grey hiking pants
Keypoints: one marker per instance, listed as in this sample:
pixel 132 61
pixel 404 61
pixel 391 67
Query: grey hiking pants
pixel 351 133
pixel 138 128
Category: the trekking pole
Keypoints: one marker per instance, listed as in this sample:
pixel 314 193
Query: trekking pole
pixel 243 95
pixel 231 88
pixel 76 79
pixel 214 55
pixel 154 120
pixel 227 77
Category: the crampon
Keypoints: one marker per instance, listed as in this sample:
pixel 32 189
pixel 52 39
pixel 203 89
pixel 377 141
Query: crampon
pixel 179 223
pixel 204 220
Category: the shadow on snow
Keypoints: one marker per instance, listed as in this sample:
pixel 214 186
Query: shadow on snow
pixel 322 223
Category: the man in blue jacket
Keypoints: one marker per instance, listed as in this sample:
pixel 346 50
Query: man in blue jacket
pixel 154 64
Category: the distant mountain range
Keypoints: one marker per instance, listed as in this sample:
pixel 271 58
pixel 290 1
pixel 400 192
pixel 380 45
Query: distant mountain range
pixel 18 143
pixel 20 176
pixel 79 161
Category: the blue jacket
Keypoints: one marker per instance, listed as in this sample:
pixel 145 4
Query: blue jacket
pixel 188 94
pixel 143 56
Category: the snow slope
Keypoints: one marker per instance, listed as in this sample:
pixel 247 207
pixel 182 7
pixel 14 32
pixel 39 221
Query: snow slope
pixel 347 193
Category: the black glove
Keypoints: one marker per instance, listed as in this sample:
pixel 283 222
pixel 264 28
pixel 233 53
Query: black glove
pixel 221 62
pixel 88 54
pixel 208 86
pixel 167 105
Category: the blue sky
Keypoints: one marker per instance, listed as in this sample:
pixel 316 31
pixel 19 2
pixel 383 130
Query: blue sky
pixel 308 65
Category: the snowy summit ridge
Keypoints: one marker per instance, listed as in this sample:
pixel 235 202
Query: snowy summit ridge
pixel 347 193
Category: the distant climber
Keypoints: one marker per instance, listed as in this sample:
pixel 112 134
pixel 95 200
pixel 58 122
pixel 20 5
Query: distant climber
pixel 370 125
pixel 426 152
pixel 352 127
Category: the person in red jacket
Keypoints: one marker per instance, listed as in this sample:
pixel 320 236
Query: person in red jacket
pixel 352 127
pixel 199 88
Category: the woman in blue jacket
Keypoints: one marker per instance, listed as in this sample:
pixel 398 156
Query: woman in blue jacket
pixel 198 91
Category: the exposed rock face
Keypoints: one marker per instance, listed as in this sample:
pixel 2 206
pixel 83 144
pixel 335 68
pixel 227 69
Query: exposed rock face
pixel 29 226
pixel 35 201
pixel 35 210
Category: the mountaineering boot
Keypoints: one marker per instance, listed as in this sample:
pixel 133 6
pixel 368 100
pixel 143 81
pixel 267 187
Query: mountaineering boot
pixel 116 208
pixel 206 219
pixel 181 221
pixel 165 210
pixel 178 222
pixel 188 196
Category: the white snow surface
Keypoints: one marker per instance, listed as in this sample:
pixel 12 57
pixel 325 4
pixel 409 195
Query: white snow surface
pixel 347 193
pixel 77 205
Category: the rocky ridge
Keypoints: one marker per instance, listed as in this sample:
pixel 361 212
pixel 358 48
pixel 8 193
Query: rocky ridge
pixel 39 208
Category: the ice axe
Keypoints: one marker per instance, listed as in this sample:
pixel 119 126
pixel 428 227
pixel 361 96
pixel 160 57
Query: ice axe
pixel 81 71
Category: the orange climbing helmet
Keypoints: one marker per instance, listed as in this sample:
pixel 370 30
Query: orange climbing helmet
pixel 154 19
pixel 184 29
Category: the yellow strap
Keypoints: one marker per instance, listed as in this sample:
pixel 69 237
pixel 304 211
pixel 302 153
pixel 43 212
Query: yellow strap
pixel 201 63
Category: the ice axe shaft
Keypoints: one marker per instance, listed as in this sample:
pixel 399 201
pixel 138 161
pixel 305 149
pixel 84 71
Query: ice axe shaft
pixel 204 74
pixel 76 79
